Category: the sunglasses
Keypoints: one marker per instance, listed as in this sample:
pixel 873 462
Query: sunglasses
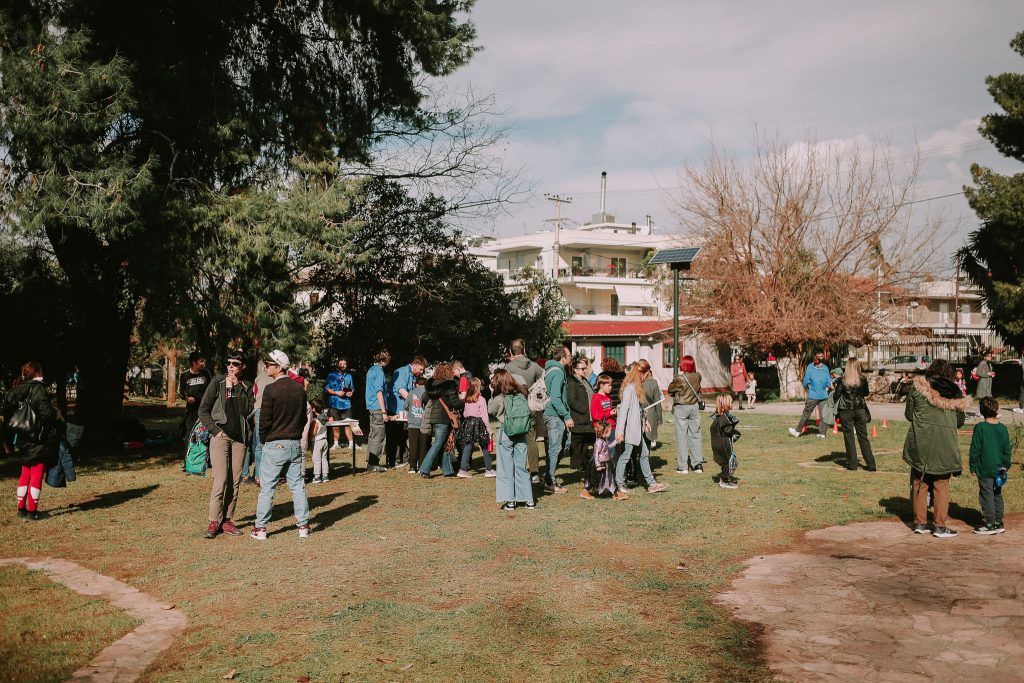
pixel 234 363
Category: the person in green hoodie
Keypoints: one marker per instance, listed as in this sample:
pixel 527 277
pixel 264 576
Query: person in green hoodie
pixel 557 419
pixel 935 410
pixel 990 459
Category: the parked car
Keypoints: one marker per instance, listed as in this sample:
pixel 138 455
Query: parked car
pixel 905 363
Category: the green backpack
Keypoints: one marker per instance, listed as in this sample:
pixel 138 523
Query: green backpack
pixel 517 415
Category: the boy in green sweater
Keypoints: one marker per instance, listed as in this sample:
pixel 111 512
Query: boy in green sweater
pixel 990 458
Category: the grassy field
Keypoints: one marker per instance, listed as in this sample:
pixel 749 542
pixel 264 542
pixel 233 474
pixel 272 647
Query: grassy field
pixel 411 580
pixel 47 631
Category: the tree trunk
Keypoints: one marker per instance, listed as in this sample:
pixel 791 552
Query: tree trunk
pixel 788 367
pixel 103 360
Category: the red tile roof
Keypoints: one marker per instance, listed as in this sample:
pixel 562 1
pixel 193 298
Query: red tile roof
pixel 625 328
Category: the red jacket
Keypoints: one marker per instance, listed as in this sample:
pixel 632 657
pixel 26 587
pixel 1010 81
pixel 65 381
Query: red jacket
pixel 601 409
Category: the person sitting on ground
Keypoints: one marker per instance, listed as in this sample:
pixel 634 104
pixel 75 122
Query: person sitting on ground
pixel 935 410
pixel 989 462
pixel 723 434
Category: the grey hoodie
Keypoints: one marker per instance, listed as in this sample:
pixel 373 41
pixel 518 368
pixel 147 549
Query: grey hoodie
pixel 525 371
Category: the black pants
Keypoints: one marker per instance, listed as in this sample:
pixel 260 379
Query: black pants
pixel 856 421
pixel 395 442
pixel 990 499
pixel 419 442
pixel 579 449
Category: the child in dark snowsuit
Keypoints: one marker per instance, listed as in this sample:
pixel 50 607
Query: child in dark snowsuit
pixel 723 434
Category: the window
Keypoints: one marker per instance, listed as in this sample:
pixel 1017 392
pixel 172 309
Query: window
pixel 617 267
pixel 943 312
pixel 615 304
pixel 616 351
pixel 965 314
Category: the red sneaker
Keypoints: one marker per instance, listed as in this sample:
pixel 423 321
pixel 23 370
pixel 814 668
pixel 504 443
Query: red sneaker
pixel 229 528
pixel 212 530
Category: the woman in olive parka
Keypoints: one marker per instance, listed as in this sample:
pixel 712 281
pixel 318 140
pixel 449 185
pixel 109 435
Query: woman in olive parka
pixel 936 410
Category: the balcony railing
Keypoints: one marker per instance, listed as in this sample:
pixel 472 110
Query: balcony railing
pixel 610 271
pixel 621 309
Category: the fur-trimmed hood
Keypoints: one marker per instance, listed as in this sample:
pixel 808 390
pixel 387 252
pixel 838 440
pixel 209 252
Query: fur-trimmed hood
pixel 939 390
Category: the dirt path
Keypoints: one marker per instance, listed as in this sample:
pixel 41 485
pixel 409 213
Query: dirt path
pixel 125 659
pixel 875 602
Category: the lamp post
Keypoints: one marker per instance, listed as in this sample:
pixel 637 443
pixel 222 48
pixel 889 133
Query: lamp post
pixel 678 260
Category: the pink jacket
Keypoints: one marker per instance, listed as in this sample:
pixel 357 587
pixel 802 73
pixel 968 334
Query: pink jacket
pixel 478 408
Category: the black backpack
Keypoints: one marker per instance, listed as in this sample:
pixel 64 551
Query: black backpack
pixel 25 422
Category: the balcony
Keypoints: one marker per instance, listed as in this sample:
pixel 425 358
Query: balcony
pixel 610 271
pixel 620 311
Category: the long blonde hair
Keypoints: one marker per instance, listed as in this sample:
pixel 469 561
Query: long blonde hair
pixel 635 377
pixel 852 374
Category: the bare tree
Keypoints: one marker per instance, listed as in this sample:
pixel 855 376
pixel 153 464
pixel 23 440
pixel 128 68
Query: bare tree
pixel 797 242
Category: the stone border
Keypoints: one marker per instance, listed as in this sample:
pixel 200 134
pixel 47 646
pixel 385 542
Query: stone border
pixel 126 658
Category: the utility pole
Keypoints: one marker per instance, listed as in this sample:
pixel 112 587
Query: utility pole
pixel 956 310
pixel 558 200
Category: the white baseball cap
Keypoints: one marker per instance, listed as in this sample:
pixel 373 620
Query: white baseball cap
pixel 280 357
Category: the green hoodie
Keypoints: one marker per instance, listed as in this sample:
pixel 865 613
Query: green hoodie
pixel 554 380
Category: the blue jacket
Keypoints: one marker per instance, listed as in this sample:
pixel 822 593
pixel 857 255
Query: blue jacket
pixel 64 471
pixel 402 379
pixel 374 382
pixel 338 381
pixel 554 380
pixel 817 381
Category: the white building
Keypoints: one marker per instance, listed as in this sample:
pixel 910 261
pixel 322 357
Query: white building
pixel 602 269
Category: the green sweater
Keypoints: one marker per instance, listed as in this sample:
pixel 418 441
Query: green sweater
pixel 990 449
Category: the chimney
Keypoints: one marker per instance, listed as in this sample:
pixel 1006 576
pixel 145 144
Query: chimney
pixel 604 190
pixel 650 225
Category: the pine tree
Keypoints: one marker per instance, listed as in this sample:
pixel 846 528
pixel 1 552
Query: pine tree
pixel 993 258
pixel 133 130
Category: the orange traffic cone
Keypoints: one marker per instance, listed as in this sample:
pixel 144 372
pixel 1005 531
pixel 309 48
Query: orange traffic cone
pixel 874 432
pixel 835 427
pixel 885 423
pixel 804 430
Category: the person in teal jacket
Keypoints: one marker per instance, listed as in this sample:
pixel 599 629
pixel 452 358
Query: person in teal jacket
pixel 557 419
pixel 990 458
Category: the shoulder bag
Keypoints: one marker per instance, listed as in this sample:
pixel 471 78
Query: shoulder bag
pixel 700 404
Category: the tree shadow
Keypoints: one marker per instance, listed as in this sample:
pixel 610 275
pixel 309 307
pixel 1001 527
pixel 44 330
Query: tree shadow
pixel 106 500
pixel 286 507
pixel 901 507
pixel 326 519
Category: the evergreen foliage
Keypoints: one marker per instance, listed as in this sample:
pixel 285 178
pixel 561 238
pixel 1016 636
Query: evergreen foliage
pixel 993 257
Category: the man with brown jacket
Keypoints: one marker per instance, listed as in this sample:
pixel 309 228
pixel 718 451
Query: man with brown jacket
pixel 282 419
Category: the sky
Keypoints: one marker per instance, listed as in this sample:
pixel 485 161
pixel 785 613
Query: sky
pixel 638 88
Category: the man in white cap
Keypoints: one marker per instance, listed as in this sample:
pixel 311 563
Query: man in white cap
pixel 282 419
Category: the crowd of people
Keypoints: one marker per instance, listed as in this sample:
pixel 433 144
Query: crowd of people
pixel 604 420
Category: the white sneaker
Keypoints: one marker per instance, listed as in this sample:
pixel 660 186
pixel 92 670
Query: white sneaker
pixel 490 473
pixel 682 471
pixel 304 531
pixel 464 474
pixel 821 436
pixel 793 432
pixel 1018 410
pixel 258 534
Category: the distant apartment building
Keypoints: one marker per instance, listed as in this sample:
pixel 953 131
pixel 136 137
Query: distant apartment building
pixel 601 268
pixel 939 318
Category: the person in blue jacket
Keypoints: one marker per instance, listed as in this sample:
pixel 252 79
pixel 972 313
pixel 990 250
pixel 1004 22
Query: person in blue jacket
pixel 817 383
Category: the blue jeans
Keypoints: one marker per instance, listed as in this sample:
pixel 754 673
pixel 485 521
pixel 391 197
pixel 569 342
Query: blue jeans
pixel 436 446
pixel 257 447
pixel 645 462
pixel 281 456
pixel 513 479
pixel 689 448
pixel 467 455
pixel 556 442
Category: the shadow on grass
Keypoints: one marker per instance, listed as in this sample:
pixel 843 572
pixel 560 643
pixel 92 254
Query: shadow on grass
pixel 107 500
pixel 285 507
pixel 327 518
pixel 901 507
pixel 837 457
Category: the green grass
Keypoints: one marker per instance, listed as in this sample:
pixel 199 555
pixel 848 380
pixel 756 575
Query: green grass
pixel 48 631
pixel 408 580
